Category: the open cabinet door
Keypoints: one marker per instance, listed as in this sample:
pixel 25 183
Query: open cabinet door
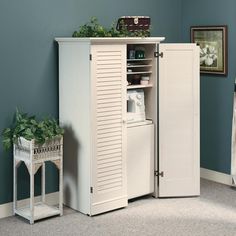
pixel 179 164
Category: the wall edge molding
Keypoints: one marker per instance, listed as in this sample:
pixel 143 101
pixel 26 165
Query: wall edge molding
pixel 216 176
pixel 6 209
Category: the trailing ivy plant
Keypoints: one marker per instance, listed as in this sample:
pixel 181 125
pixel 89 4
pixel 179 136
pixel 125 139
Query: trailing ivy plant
pixel 94 29
pixel 30 128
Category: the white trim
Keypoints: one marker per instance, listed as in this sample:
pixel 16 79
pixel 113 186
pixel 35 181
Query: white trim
pixel 116 40
pixel 233 142
pixel 6 210
pixel 216 176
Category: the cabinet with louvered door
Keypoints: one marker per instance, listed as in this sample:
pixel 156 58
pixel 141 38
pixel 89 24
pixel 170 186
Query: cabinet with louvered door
pixel 93 111
pixel 108 70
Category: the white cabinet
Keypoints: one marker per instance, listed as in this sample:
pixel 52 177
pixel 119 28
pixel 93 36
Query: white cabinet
pixel 102 152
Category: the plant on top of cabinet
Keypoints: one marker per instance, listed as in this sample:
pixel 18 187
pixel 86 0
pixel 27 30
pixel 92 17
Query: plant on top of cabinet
pixel 95 29
pixel 30 128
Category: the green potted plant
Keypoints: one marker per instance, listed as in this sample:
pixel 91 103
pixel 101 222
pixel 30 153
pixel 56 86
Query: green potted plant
pixel 43 136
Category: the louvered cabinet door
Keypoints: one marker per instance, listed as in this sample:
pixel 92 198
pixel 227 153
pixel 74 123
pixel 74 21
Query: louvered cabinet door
pixel 109 183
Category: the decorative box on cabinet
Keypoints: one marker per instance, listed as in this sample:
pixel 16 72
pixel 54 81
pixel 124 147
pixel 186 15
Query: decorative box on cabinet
pixel 92 108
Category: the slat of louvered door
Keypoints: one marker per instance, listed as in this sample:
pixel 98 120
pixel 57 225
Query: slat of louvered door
pixel 109 184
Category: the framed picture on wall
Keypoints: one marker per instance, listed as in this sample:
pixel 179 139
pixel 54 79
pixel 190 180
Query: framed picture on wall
pixel 212 41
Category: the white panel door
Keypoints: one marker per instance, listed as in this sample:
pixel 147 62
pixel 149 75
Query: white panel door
pixel 109 181
pixel 179 120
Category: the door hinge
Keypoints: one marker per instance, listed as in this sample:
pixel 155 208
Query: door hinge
pixel 91 189
pixel 90 57
pixel 157 173
pixel 158 54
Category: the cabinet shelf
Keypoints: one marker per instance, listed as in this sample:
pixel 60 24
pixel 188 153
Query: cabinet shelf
pixel 137 66
pixel 139 72
pixel 143 59
pixel 139 86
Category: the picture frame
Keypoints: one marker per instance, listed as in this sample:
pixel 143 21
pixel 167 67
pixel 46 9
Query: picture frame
pixel 212 41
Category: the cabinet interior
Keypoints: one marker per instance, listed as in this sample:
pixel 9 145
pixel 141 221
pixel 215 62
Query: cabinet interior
pixel 141 65
pixel 146 66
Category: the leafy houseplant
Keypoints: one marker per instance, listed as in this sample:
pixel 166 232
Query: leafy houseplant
pixel 94 29
pixel 30 128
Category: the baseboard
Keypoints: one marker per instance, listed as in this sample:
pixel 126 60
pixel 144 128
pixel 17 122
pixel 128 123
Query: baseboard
pixel 216 176
pixel 52 198
pixel 7 209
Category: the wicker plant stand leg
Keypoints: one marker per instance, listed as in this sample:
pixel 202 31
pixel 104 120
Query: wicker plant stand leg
pixel 31 193
pixel 14 186
pixel 38 210
pixel 61 188
pixel 43 182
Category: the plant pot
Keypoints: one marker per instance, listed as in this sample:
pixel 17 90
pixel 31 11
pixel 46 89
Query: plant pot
pixel 31 150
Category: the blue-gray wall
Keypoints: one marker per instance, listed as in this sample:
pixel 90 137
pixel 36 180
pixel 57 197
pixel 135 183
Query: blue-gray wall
pixel 28 59
pixel 216 92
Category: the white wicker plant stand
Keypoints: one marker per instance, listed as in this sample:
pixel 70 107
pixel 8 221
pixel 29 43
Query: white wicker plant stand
pixel 34 156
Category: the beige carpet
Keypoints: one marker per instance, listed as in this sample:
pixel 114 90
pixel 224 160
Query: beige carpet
pixel 214 213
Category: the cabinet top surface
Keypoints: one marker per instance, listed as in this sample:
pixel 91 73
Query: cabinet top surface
pixel 112 40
